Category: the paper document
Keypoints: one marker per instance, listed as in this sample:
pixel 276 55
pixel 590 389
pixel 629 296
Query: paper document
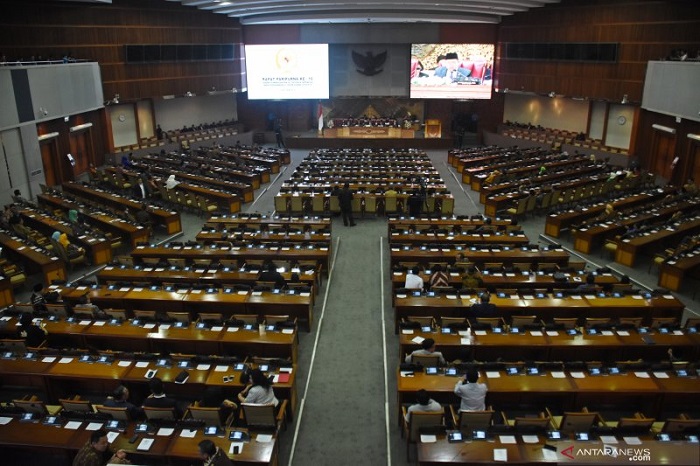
pixel 73 425
pixel 165 431
pixel 263 438
pixel 500 454
pixel 187 433
pixel 507 439
pixel 425 438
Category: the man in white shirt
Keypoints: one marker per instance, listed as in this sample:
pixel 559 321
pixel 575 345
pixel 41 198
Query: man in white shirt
pixel 472 393
pixel 428 348
pixel 413 280
pixel 424 404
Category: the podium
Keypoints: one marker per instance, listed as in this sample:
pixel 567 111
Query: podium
pixel 433 129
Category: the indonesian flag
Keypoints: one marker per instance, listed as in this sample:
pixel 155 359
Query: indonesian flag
pixel 320 117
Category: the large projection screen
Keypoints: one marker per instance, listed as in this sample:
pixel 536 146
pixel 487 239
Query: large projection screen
pixel 451 71
pixel 671 87
pixel 291 71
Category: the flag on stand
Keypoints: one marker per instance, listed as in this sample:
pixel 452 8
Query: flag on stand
pixel 320 117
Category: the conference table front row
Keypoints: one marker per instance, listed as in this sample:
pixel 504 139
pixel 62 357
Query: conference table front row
pixel 648 391
pixel 62 375
pixel 226 301
pixel 545 306
pixel 166 445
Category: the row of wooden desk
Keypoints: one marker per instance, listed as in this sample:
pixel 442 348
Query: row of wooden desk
pixel 134 234
pixel 169 219
pixel 224 301
pixel 514 280
pixel 628 249
pixel 99 249
pixel 61 376
pixel 480 254
pixel 544 308
pixel 586 238
pixel 177 448
pixel 672 272
pixel 650 393
pixel 461 238
pixel 315 222
pixel 558 222
pixel 319 254
pixel 158 275
pixel 33 260
pixel 366 202
pixel 161 337
pixel 532 452
pixel 555 345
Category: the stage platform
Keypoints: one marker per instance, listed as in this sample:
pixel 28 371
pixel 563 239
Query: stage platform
pixel 314 141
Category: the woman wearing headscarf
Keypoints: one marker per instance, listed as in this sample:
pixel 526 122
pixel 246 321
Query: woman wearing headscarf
pixel 171 182
pixel 73 216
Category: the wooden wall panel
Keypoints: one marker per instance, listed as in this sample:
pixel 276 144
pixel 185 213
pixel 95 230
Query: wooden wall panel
pixel 100 32
pixel 645 30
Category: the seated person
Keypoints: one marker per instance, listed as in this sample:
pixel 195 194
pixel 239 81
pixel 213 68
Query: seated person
pixel 158 399
pixel 211 455
pixel 589 285
pixel 471 280
pixel 413 280
pixel 439 278
pixel 71 249
pixel 270 274
pixel 213 397
pixel 32 334
pixel 428 348
pixel 120 399
pixel 38 299
pixel 484 308
pixel 423 404
pixel 95 452
pixel 258 390
pixel 471 393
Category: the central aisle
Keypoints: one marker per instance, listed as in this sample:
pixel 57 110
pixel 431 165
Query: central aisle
pixel 343 418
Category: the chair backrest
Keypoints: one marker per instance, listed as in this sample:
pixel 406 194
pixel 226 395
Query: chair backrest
pixel 116 313
pixel 16 346
pixel 211 416
pixel 211 317
pixel 630 321
pixel 259 415
pixel 246 318
pixel 449 321
pixel 32 405
pixel 159 413
pixel 264 286
pixel 657 322
pixel 148 315
pixel 593 321
pixel 567 322
pixel 634 425
pixel 531 424
pixel 679 425
pixel 179 316
pixel 420 420
pixel 692 322
pixel 276 319
pixel 519 321
pixel 475 420
pixel 83 406
pixel 426 360
pixel 492 321
pixel 423 321
pixel 119 414
pixel 577 422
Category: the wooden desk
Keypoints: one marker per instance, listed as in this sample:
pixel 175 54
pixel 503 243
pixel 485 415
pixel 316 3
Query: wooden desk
pixel 509 280
pixel 552 346
pixel 132 233
pixel 159 275
pixel 169 219
pixel 463 239
pixel 316 223
pixel 209 236
pixel 319 254
pixel 647 395
pixel 673 271
pixel 557 222
pixel 34 261
pixel 479 255
pixel 7 295
pixel 174 448
pixel 99 249
pixel 481 452
pixel 227 302
pixel 545 308
pixel 626 252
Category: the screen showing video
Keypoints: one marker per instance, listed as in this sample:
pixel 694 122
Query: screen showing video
pixel 292 71
pixel 451 71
